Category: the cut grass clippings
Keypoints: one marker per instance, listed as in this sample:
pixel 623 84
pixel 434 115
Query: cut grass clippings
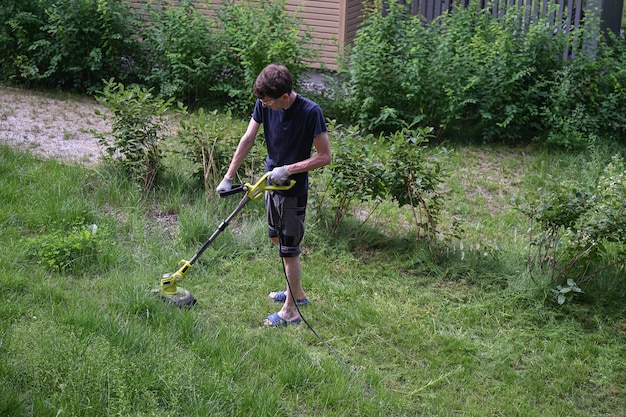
pixel 459 334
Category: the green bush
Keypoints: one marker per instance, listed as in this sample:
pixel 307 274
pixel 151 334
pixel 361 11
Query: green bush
pixel 20 23
pixel 208 140
pixel 463 70
pixel 139 125
pixel 413 175
pixel 399 167
pixel 475 77
pixel 255 34
pixel 490 67
pixel 356 173
pixel 587 98
pixel 375 70
pixel 182 46
pixel 70 44
pixel 579 228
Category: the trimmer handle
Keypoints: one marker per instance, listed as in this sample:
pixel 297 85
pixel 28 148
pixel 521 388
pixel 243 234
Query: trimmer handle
pixel 255 191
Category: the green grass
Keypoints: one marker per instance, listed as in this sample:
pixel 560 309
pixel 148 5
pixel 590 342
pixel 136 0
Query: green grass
pixel 454 334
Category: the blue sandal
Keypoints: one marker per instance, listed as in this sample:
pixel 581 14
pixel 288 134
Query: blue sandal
pixel 275 320
pixel 281 296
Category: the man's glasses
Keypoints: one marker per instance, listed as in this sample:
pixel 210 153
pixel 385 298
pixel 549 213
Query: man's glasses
pixel 269 102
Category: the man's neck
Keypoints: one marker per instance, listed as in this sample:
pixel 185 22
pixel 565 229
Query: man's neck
pixel 290 100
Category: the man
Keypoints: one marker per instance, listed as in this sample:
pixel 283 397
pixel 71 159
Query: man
pixel 292 125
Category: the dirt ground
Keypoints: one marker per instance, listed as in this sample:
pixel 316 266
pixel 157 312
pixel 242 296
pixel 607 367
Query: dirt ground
pixel 51 125
pixel 58 125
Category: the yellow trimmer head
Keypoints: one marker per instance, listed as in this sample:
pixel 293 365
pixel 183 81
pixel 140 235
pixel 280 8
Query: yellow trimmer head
pixel 171 292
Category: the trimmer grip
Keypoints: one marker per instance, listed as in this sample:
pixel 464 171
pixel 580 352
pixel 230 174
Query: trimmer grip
pixel 235 189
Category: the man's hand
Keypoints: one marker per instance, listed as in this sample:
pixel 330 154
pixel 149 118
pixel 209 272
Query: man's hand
pixel 225 186
pixel 279 175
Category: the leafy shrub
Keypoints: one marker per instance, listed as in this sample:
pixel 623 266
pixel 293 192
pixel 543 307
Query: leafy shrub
pixel 398 166
pixel 356 172
pixel 490 66
pixel 413 174
pixel 183 46
pixel 73 250
pixel 475 76
pixel 20 23
pixel 139 124
pixel 374 71
pixel 587 98
pixel 255 34
pixel 579 229
pixel 71 44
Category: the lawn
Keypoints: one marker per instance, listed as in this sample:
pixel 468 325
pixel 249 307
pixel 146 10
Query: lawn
pixel 403 330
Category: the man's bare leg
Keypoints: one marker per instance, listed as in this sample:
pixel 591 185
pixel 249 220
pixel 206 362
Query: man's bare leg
pixel 293 271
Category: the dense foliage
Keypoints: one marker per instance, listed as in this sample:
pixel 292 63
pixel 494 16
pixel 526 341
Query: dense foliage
pixel 579 227
pixel 68 44
pixel 181 44
pixel 474 76
pixel 177 51
pixel 254 34
pixel 469 74
pixel 400 167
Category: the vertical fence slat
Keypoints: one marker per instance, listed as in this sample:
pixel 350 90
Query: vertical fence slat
pixel 535 15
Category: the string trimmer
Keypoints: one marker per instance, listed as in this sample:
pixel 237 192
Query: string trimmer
pixel 168 287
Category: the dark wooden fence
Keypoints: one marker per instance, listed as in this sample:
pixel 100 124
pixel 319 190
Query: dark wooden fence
pixel 569 9
pixel 564 15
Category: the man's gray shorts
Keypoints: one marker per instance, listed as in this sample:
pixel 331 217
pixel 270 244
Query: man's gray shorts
pixel 285 217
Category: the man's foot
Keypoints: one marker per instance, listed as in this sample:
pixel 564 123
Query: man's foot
pixel 275 320
pixel 281 296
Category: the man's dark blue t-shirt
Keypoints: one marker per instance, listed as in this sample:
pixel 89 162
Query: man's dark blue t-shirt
pixel 289 136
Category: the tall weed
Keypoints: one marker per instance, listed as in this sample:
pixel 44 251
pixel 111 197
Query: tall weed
pixel 75 248
pixel 208 140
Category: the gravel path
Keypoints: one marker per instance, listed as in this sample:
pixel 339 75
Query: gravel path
pixel 51 125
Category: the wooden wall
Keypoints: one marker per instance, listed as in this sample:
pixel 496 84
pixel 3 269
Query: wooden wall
pixel 333 22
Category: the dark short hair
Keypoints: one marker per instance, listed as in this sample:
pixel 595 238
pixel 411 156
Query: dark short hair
pixel 274 81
